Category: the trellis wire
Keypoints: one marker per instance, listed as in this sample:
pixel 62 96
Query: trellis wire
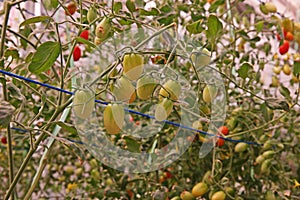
pixel 128 110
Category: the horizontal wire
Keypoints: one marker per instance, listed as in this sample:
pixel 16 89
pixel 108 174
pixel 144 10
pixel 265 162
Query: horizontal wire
pixel 128 110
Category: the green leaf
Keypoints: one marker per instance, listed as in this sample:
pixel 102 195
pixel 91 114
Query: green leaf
pixel 132 144
pixel 36 20
pixel 259 26
pixel 66 127
pixel 215 5
pixel 84 41
pixel 285 92
pixel 214 27
pixel 117 7
pixel 44 57
pixel 296 70
pixel 265 113
pixel 195 27
pixel 130 5
pixel 243 71
pixel 277 104
pixel 152 12
pixel 14 53
pixel 125 21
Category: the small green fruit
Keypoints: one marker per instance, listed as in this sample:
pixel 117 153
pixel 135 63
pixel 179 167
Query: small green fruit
pixel 171 89
pixel 271 7
pixel 84 103
pixel 113 117
pixel 199 189
pixel 220 195
pixel 124 90
pixel 103 29
pixel 209 93
pixel 240 147
pixel 163 109
pixel 91 14
pixel 145 87
pixel 185 195
pixel 133 65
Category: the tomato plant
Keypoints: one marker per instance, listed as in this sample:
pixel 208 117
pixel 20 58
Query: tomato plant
pixel 241 62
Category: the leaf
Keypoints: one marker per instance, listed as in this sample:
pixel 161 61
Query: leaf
pixel 84 41
pixel 296 70
pixel 132 144
pixel 66 127
pixel 195 27
pixel 152 12
pixel 14 53
pixel 259 26
pixel 214 27
pixel 130 5
pixel 117 7
pixel 265 113
pixel 277 104
pixel 44 57
pixel 243 71
pixel 36 20
pixel 215 5
pixel 285 92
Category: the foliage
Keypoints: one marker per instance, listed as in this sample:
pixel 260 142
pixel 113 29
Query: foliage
pixel 262 105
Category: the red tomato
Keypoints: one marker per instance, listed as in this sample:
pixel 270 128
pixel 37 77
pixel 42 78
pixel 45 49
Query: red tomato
pixel 220 142
pixel 71 8
pixel 4 140
pixel 278 37
pixel 224 130
pixel 85 34
pixel 284 48
pixel 289 36
pixel 76 53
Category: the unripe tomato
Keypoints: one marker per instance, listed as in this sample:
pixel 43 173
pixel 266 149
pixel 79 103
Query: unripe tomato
pixel 71 8
pixel 240 147
pixel 199 189
pixel 224 130
pixel 275 81
pixel 83 103
pixel 185 195
pixel 163 109
pixel 69 169
pixel 268 154
pixel 284 48
pixel 287 69
pixel 113 117
pixel 103 28
pixel 91 14
pixel 209 93
pixel 263 9
pixel 76 53
pixel 277 70
pixel 287 25
pixel 124 90
pixel 259 159
pixel 220 195
pixel 271 7
pixel 207 178
pixel 201 59
pixel 289 36
pixel 145 87
pixel 85 34
pixel 133 66
pixel 171 89
pixel 265 166
pixel 95 174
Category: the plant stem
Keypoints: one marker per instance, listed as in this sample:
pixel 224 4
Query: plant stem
pixel 7 8
pixel 32 150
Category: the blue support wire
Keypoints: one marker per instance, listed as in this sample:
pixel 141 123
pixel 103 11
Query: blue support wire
pixel 128 110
